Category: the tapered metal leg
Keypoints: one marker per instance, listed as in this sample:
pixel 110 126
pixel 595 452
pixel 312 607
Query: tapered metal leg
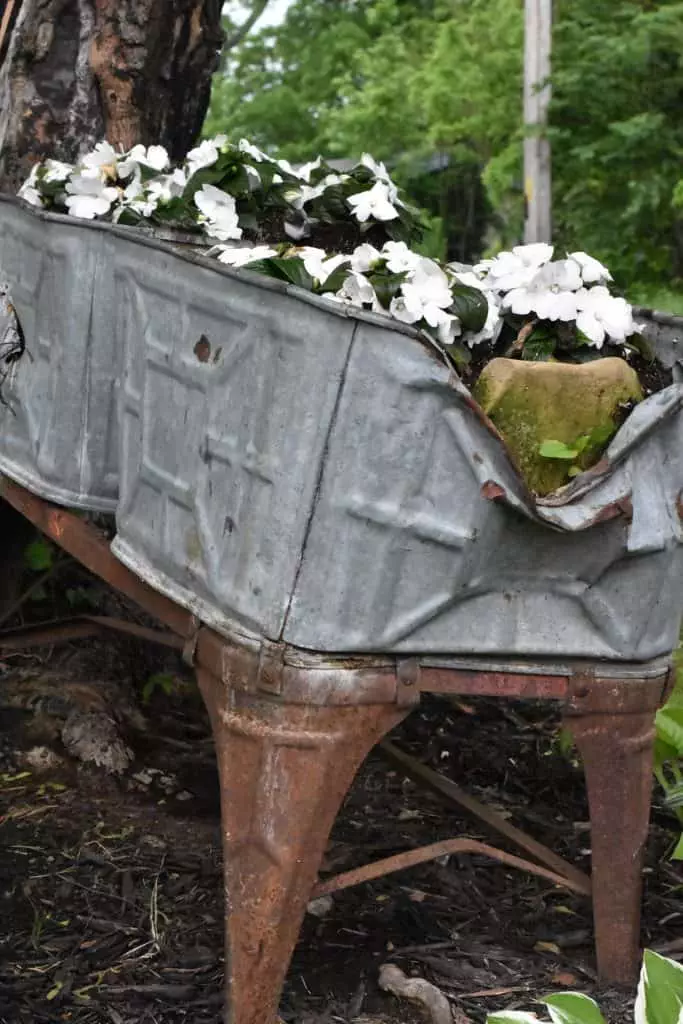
pixel 615 733
pixel 284 770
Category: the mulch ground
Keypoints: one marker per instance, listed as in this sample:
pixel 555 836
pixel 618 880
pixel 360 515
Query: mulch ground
pixel 111 893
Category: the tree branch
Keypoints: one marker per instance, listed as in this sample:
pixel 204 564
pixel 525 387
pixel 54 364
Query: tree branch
pixel 243 30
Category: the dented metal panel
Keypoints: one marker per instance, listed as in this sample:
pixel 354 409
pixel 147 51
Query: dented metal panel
pixel 227 396
pixel 58 432
pixel 435 565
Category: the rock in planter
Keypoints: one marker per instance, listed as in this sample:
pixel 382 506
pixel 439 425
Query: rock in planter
pixel 532 402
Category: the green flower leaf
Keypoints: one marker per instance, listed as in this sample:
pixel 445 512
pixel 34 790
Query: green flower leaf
pixel 284 268
pixel 470 306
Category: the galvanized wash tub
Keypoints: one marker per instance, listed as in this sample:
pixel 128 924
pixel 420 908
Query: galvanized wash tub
pixel 298 471
pixel 58 423
pixel 58 432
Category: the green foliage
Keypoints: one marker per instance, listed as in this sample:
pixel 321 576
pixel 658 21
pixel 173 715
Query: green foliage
pixel 668 754
pixel 39 555
pixel 437 83
pixel 162 682
pixel 591 443
pixel 659 999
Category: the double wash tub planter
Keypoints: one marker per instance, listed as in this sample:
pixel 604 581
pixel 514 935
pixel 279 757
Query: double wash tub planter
pixel 290 469
pixel 316 485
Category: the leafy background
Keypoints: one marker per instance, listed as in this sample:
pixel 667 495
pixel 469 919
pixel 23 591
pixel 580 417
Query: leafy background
pixel 434 87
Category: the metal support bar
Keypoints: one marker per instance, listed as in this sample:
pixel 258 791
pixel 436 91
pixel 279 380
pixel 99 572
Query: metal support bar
pixel 447 847
pixel 428 777
pixel 79 627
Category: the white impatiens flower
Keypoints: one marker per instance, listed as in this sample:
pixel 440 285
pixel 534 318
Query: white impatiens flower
pixel 515 269
pixel 220 212
pixel 380 172
pixel 55 170
pixel 254 152
pixel 304 193
pixel 364 257
pixel 153 157
pixel 101 162
pixel 287 167
pixel 318 264
pixel 550 294
pixel 205 154
pixel 374 203
pixel 399 257
pixel 358 291
pixel 167 186
pixel 28 191
pixel 424 296
pixel 88 197
pixel 603 315
pixel 243 255
pixel 306 170
pixel 592 270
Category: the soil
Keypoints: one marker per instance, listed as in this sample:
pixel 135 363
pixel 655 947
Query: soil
pixel 652 374
pixel 111 887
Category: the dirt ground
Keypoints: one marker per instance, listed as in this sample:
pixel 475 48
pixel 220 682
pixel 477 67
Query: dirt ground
pixel 111 889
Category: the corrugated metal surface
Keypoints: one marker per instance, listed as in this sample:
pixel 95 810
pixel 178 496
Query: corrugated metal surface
pixel 227 397
pixel 433 565
pixel 58 432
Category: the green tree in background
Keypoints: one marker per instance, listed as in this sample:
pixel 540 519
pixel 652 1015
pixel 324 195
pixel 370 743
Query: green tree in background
pixel 435 87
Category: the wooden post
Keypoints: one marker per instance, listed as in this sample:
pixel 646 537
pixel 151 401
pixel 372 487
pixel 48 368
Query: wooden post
pixel 537 172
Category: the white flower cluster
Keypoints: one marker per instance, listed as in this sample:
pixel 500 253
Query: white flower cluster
pixel 528 282
pixel 106 183
pixel 423 296
pixel 223 187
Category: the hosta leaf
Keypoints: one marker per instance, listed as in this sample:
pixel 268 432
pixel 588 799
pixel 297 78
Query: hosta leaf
pixel 512 1017
pixel 557 450
pixel 660 993
pixel 669 724
pixel 573 1008
pixel 678 852
pixel 470 306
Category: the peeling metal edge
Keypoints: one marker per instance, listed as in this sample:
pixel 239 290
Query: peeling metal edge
pixel 54 493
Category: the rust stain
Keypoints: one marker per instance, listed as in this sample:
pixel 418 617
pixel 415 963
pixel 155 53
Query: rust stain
pixel 492 491
pixel 202 349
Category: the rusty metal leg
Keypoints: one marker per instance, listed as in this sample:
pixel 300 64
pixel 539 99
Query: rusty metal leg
pixel 612 724
pixel 284 770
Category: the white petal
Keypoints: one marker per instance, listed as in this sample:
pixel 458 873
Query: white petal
pixel 519 301
pixel 591 269
pixel 363 257
pixel 406 314
pixel 592 328
pixel 87 207
pixel 535 254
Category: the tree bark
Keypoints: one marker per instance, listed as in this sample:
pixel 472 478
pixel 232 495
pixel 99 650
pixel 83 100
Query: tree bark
pixel 75 71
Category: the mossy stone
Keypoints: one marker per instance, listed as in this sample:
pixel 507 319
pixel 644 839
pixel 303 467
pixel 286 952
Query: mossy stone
pixel 531 403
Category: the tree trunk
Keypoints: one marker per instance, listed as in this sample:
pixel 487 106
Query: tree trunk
pixel 76 71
